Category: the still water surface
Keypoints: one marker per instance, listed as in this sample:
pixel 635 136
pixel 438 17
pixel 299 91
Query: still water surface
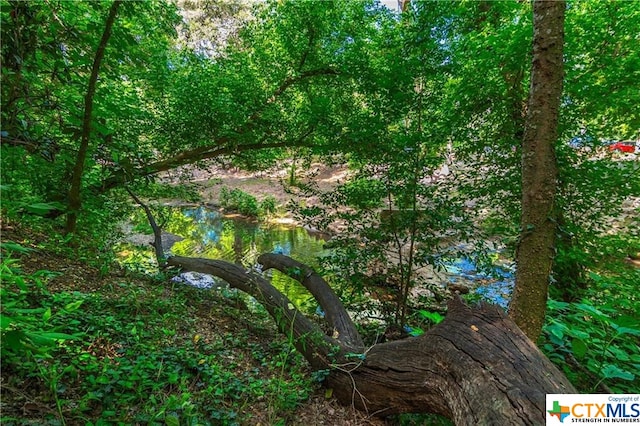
pixel 210 234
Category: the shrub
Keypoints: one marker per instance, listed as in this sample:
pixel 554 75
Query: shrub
pixel 268 206
pixel 596 340
pixel 240 201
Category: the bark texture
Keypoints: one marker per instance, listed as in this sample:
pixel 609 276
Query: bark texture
pixel 475 367
pixel 536 251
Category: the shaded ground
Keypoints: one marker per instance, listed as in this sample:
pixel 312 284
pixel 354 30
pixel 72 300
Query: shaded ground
pixel 239 344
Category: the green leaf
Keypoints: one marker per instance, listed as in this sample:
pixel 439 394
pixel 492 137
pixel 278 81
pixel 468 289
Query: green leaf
pixel 103 130
pixel 172 421
pixel 13 339
pixel 11 246
pixel 579 348
pixel 556 330
pixel 627 330
pixel 614 372
pixel 416 331
pixel 38 340
pixel 431 316
pixel 21 284
pixel 556 304
pixel 46 315
pixel 29 310
pixel 627 321
pixel 578 334
pixel 104 380
pixel 618 354
pixel 48 336
pixel 73 306
pixel 5 322
pixel 592 311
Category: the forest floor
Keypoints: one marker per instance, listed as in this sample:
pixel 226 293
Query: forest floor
pixel 233 366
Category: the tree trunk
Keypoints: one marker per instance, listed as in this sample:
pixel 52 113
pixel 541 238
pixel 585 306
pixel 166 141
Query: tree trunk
pixel 75 199
pixel 161 258
pixel 475 367
pixel 535 254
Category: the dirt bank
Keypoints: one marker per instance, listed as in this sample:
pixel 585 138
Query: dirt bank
pixel 274 182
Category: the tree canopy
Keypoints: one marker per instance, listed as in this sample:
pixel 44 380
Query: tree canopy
pixel 457 134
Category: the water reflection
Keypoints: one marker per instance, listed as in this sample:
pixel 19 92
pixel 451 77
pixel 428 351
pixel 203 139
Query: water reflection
pixel 209 234
pixel 212 235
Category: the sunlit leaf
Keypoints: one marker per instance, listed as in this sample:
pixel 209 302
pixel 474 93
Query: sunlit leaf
pixel 73 306
pixel 434 317
pixel 416 331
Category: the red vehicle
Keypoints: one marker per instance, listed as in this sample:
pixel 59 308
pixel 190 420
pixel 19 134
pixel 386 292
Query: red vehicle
pixel 623 146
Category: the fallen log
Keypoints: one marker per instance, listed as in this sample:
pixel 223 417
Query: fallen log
pixel 476 367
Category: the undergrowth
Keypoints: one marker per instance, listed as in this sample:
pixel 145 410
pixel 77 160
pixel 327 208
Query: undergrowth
pixel 246 204
pixel 138 351
pixel 596 341
pixel 132 349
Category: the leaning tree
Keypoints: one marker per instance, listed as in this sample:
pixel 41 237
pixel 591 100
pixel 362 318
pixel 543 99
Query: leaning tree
pixel 475 367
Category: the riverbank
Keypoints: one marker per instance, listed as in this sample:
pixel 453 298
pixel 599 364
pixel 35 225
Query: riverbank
pixel 148 352
pixel 275 183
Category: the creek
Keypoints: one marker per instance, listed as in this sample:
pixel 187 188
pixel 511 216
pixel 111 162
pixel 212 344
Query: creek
pixel 208 233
